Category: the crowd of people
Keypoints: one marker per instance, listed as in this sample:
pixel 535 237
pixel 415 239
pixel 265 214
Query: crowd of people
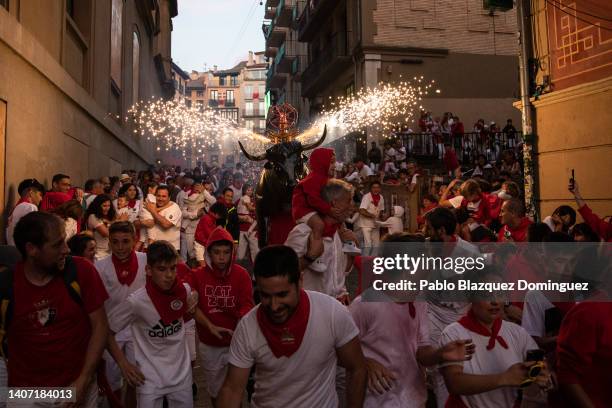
pixel 118 287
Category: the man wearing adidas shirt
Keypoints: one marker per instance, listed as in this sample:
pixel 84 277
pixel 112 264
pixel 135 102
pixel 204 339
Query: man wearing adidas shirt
pixel 295 339
pixel 226 295
pixel 122 273
pixel 155 315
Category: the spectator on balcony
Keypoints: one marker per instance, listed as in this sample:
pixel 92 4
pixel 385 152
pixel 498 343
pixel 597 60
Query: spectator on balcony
pixel 389 158
pixel 400 155
pixel 457 132
pixel 510 132
pixel 438 138
pixel 374 156
pixel 450 161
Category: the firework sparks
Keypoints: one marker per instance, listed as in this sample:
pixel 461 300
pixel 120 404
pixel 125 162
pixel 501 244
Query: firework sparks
pixel 173 126
pixel 380 110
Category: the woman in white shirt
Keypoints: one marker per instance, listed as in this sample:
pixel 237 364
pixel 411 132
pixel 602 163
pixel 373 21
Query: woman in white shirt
pixel 100 215
pixel 134 202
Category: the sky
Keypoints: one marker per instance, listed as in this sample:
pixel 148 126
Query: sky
pixel 216 32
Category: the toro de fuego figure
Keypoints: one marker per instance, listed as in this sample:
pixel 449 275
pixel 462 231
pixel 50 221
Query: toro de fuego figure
pixel 283 169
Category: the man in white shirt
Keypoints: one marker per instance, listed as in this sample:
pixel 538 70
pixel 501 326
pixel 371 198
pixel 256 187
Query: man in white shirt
pixel 372 205
pixel 364 170
pixel 295 339
pixel 122 273
pixel 332 280
pixel 30 193
pixel 163 218
pixel 192 209
pixel 236 186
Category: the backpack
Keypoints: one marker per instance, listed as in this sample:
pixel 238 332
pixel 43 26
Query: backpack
pixel 6 295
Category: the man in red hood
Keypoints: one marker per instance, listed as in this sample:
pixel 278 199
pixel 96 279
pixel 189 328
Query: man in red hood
pixel 307 205
pixel 205 227
pixel 226 294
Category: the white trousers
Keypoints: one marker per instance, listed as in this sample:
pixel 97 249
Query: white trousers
pixel 178 399
pixel 187 249
pixel 113 372
pixel 215 364
pixel 247 241
pixel 371 237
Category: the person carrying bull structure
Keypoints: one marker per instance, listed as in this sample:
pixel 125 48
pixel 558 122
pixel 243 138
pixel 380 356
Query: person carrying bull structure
pixel 308 207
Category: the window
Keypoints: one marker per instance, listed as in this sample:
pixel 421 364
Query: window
pixel 214 95
pixel 234 80
pixel 200 105
pixel 200 94
pixel 222 81
pixel 262 108
pixel 116 40
pixel 350 90
pixel 248 124
pixel 248 109
pixel 230 96
pixel 135 67
pixel 188 103
pixel 248 92
pixel 262 124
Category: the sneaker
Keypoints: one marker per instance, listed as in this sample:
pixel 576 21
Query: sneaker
pixel 318 265
pixel 350 248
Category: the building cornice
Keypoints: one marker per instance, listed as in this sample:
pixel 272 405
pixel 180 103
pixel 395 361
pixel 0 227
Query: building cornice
pixel 578 91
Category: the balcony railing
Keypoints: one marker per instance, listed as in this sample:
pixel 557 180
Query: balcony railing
pixel 285 57
pixel 284 13
pixel 314 12
pixel 253 113
pixel 271 3
pixel 275 35
pixel 327 65
pixel 213 103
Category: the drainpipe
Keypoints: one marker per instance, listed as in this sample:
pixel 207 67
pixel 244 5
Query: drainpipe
pixel 527 109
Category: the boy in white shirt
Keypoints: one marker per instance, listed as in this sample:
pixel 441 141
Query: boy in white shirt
pixel 122 274
pixel 154 314
pixel 31 193
pixel 372 204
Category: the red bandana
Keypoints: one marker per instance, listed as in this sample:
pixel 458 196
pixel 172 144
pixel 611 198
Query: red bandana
pixel 375 199
pixel 132 203
pixel 126 270
pixel 469 322
pixel 285 339
pixel 170 304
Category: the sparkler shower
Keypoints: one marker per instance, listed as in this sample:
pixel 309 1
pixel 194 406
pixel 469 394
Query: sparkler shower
pixel 175 127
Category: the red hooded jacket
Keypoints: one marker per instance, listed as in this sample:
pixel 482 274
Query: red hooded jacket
pixel 224 296
pixel 205 227
pixel 601 228
pixel 307 194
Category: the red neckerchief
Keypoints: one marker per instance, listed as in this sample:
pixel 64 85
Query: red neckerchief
pixel 470 322
pixel 132 203
pixel 126 270
pixel 330 229
pixel 483 214
pixel 285 339
pixel 170 304
pixel 375 199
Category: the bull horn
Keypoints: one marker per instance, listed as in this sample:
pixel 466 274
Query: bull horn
pixel 251 157
pixel 318 142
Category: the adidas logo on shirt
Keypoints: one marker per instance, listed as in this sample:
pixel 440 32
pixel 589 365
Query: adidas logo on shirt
pixel 162 330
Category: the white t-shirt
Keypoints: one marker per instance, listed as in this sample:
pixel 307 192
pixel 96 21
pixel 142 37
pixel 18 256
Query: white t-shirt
pixel 307 379
pixel 161 351
pixel 94 222
pixel 368 205
pixel 534 313
pixel 493 361
pixel 242 208
pixel 19 211
pixel 365 172
pixel 400 154
pixel 89 199
pixel 390 154
pixel 237 193
pixel 456 201
pixel 117 292
pixel 71 227
pixel 332 282
pixel 173 214
pixel 389 335
pixel 353 177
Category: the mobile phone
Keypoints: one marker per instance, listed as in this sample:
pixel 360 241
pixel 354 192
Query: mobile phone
pixel 571 181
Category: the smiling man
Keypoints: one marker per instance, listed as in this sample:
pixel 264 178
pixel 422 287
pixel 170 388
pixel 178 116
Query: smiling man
pixel 295 339
pixel 56 334
pixel 163 218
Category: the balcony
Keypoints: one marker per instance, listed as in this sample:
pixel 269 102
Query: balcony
pixel 213 103
pixel 271 3
pixel 327 66
pixel 312 17
pixel 284 13
pixel 275 35
pixel 275 79
pixel 255 113
pixel 285 57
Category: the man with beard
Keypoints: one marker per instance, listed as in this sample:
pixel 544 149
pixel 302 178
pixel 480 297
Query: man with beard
pixel 56 333
pixel 295 339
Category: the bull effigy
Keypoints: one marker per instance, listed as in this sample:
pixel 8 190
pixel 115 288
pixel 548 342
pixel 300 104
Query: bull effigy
pixel 284 168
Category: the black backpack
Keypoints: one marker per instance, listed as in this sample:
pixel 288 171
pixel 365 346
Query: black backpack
pixel 8 260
